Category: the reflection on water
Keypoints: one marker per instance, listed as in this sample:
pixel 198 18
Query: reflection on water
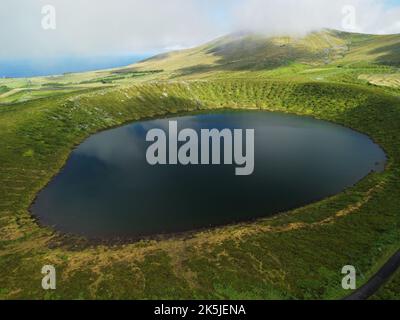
pixel 108 190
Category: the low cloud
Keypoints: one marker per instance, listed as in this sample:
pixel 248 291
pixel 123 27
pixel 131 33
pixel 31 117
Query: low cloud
pixel 93 27
pixel 302 16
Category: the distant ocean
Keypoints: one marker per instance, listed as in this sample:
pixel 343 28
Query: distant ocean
pixel 20 68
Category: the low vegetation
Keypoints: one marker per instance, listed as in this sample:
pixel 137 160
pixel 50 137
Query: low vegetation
pixel 295 255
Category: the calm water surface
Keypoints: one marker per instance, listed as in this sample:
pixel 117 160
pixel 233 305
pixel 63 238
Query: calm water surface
pixel 107 189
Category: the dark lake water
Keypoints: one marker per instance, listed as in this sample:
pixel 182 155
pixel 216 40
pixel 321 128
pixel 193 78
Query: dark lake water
pixel 108 190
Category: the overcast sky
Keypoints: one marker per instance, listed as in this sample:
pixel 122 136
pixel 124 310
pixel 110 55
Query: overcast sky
pixel 95 27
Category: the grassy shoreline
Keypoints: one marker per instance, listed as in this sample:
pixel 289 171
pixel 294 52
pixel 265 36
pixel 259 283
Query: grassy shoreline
pixel 296 255
pixel 175 235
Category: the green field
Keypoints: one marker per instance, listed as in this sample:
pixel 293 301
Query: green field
pixel 329 75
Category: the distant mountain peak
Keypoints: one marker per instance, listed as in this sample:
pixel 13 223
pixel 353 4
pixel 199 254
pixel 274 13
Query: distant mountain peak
pixel 247 50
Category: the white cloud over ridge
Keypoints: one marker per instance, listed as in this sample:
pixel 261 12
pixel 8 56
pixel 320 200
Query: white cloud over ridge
pixel 87 27
pixel 302 16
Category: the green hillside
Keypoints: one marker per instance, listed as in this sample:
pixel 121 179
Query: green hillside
pixel 252 52
pixel 320 56
pixel 350 79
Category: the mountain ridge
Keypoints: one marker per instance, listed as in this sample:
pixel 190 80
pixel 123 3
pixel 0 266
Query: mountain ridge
pixel 248 51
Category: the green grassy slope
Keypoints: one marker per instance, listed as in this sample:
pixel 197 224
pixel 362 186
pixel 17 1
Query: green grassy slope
pixel 244 52
pixel 329 75
pixel 16 90
pixel 295 255
pixel 249 52
pixel 320 56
